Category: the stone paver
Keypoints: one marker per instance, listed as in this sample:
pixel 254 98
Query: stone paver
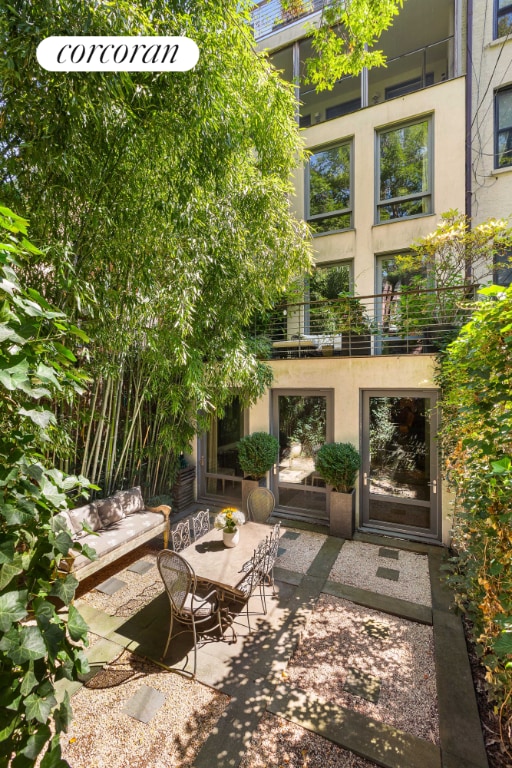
pixel 251 671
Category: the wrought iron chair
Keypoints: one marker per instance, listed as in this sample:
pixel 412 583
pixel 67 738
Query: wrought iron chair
pixel 260 505
pixel 267 566
pixel 254 568
pixel 201 523
pixel 180 536
pixel 186 606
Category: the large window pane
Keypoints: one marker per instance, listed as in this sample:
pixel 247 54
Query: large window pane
pixel 404 172
pixel 504 128
pixel 329 200
pixel 503 9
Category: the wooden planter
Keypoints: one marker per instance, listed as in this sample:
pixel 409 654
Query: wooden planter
pixel 183 489
pixel 342 514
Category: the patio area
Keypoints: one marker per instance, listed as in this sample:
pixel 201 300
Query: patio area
pixel 359 662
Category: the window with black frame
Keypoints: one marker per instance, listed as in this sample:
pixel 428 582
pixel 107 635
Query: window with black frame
pixel 503 128
pixel 404 171
pixel 502 18
pixel 328 189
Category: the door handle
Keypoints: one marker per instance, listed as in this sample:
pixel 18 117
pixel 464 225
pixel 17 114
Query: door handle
pixel 365 478
pixel 433 485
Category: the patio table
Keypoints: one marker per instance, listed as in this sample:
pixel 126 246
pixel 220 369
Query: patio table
pixel 222 566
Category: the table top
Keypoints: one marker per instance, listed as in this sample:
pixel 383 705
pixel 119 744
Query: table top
pixel 221 565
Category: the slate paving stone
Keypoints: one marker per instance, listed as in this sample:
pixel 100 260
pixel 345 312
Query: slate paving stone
pixel 141 567
pixel 144 704
pixel 363 685
pixel 392 554
pixel 281 551
pixel 376 629
pixel 387 573
pixel 290 535
pixel 111 585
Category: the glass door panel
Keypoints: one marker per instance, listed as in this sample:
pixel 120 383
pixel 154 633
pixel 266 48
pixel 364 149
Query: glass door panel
pixel 302 424
pixel 400 462
pixel 223 473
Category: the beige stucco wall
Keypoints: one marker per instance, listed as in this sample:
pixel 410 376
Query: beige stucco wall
pixel 347 378
pixel 445 102
pixel 492 68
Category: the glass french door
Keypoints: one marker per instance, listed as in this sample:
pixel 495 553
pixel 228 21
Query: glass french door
pixel 302 422
pixel 400 486
pixel 219 471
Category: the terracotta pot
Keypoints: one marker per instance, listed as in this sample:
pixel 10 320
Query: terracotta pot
pixel 231 539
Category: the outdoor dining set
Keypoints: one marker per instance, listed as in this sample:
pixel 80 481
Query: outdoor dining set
pixel 208 583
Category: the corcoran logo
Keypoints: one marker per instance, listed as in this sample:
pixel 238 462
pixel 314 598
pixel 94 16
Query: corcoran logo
pixel 117 54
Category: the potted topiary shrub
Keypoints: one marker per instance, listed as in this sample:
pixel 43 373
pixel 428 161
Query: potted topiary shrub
pixel 257 454
pixel 338 464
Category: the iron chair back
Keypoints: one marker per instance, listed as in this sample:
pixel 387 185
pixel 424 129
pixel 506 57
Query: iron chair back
pixel 260 505
pixel 201 523
pixel 180 536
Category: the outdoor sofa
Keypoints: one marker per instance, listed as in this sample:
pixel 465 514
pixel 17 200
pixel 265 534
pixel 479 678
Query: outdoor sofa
pixel 121 523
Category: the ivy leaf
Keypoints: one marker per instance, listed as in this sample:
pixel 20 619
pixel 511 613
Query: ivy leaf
pixel 502 466
pixel 41 418
pixel 77 627
pixel 63 542
pixel 35 743
pixel 64 588
pixel 8 571
pixel 53 757
pixel 29 681
pixel 503 645
pixel 8 722
pixel 39 708
pixel 63 715
pixel 12 608
pixel 25 644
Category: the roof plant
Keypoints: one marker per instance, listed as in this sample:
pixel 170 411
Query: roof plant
pixel 257 454
pixel 338 464
pixel 37 645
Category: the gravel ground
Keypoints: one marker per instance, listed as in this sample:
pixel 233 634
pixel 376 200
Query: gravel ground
pixel 300 552
pixel 343 637
pixel 102 736
pixel 357 565
pixel 140 589
pixel 279 743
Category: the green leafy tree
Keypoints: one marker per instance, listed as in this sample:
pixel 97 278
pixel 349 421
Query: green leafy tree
pixel 475 374
pixel 345 39
pixel 37 645
pixel 165 196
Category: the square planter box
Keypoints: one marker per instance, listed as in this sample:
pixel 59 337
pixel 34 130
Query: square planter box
pixel 342 514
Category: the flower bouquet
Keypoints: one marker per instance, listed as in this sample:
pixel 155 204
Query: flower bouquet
pixel 228 519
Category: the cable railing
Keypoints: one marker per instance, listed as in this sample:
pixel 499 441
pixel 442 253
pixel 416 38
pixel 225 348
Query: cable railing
pixel 395 322
pixel 271 15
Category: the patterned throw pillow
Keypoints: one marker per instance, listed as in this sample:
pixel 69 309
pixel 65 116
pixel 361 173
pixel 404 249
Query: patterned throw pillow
pixel 110 510
pixel 86 514
pixel 131 500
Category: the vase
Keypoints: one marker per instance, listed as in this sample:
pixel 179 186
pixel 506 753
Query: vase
pixel 231 539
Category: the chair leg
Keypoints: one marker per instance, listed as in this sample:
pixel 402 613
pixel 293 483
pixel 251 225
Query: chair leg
pixel 168 638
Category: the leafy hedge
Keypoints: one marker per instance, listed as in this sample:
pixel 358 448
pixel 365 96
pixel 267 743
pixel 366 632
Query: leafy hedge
pixel 476 379
pixel 38 645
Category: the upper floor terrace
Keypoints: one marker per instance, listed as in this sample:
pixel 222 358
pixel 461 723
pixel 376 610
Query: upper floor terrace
pixel 412 322
pixel 423 48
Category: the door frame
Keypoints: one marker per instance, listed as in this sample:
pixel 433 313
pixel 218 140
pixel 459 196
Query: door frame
pixel 275 393
pixel 434 533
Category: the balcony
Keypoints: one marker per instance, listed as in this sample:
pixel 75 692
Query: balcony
pixel 407 323
pixel 272 15
pixel 419 49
